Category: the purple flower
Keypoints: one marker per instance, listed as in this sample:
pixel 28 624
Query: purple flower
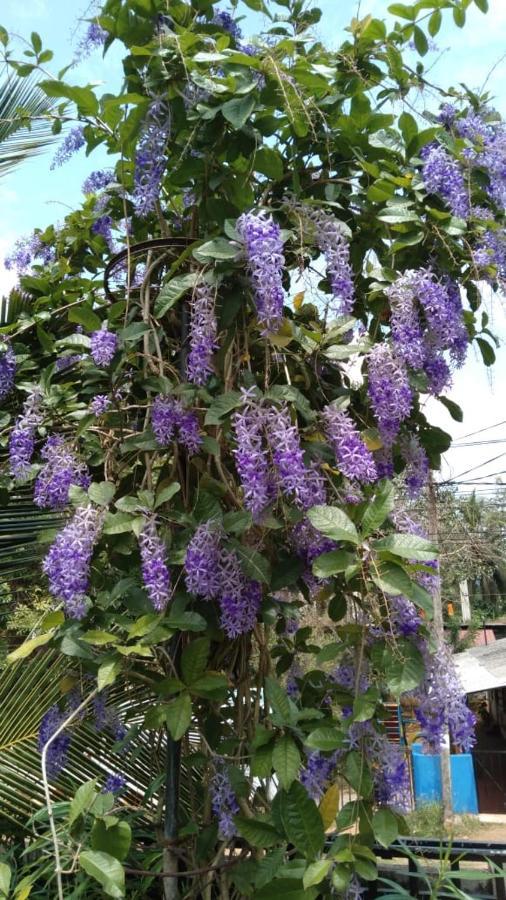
pixel 355 890
pixel 100 404
pixel 170 420
pixel 97 181
pixel 151 157
pixel 405 616
pixel 226 21
pixel 22 436
pixel 155 571
pixel 442 175
pixel 239 609
pixel 353 457
pixel 223 801
pixel 334 244
pixel 251 456
pixel 7 371
pixel 26 251
pixel 203 334
pixel 67 564
pixel 407 331
pixel 73 142
pixel 56 755
pixel 389 391
pixel 264 251
pixel 317 772
pixel 94 38
pixel 292 676
pixel 114 784
pixel 442 703
pixel 416 472
pixel 62 468
pixel 104 344
pixel 304 483
pixel 388 765
pixel 308 543
pixel 65 362
pixel 103 227
pixel 447 114
pixel 437 371
pixel 202 562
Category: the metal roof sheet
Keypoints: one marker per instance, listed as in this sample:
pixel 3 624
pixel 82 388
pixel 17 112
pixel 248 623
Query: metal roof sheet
pixel 482 668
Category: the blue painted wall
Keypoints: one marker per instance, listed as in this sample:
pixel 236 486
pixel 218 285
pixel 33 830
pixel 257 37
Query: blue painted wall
pixel 427 780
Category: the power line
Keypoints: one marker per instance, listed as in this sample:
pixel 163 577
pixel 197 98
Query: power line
pixel 481 430
pixel 473 469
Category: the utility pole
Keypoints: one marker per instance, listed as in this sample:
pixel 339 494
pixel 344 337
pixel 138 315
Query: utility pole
pixel 438 628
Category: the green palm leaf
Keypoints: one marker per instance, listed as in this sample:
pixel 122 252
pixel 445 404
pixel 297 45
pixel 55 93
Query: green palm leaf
pixel 25 126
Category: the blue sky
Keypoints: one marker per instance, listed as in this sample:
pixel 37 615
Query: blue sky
pixel 34 196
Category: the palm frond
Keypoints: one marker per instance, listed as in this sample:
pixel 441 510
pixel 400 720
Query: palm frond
pixel 13 306
pixel 25 529
pixel 25 126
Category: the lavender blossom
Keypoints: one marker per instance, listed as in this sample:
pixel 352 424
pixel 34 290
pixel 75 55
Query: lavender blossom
pixel 405 616
pixel 7 371
pixel 442 175
pixel 442 703
pixel 407 331
pixel 100 404
pixel 203 334
pixel 226 21
pixel 104 344
pixel 239 610
pixel 94 38
pixel 103 227
pixel 334 244
pixel 56 755
pixel 27 251
pixel 416 472
pixel 223 801
pixel 308 544
pixel 170 421
pixel 65 362
pixel 305 484
pixel 151 158
pixel 353 457
pixel 22 436
pixel 62 468
pixel 155 571
pixel 388 765
pixel 389 392
pixel 251 456
pixel 355 890
pixel 67 564
pixel 114 784
pixel 264 251
pixel 317 772
pixel 292 687
pixel 202 562
pixel 97 181
pixel 73 142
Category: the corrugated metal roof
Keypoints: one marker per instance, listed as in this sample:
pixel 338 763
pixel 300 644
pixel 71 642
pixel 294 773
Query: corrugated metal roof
pixel 482 668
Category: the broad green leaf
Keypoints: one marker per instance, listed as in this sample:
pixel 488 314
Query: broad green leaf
pixel 487 351
pixel 316 872
pixel 406 669
pixel 328 564
pixel 385 827
pixel 101 493
pixel 408 546
pixel 220 407
pixel 218 248
pixel 261 761
pixel 329 652
pixel 435 22
pixel 253 563
pixel 453 408
pixel 378 508
pixel 105 869
pixel 52 620
pixel 285 888
pixel 286 760
pixel 82 800
pixel 325 738
pixel 357 774
pixel 333 523
pixel 269 162
pixel 194 659
pixel 256 832
pixel 5 879
pixel 108 672
pixel 27 648
pixel 114 840
pixel 392 579
pixel 402 10
pixel 172 291
pixel 238 110
pixel 99 638
pixel 278 700
pixel 167 493
pixel 178 715
pixel 407 124
pixel 329 805
pixel 84 315
pixel 482 5
pixel 117 523
pixel 301 820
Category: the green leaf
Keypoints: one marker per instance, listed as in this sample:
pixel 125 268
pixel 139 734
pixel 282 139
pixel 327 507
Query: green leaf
pixel 211 684
pixel 329 652
pixel 105 869
pixel 167 493
pixel 220 407
pixel 237 521
pixel 253 563
pixel 333 523
pixel 99 638
pixel 392 579
pixel 82 800
pixel 408 546
pixel 278 700
pixel 301 820
pixel 84 315
pixel 101 493
pixel 379 507
pixel 5 879
pixel 108 672
pixel 421 42
pixel 325 738
pixel 29 646
pixel 218 248
pixel 357 774
pixel 114 840
pixel 482 5
pixel 269 162
pixel 178 715
pixel 256 832
pixel 408 126
pixel 194 659
pixel 487 351
pixel 435 22
pixel 453 408
pixel 405 12
pixel 172 291
pixel 238 110
pixel 459 16
pixel 286 760
pixel 316 872
pixel 285 888
pixel 397 215
pixel 117 523
pixel 328 564
pixel 406 670
pixel 385 827
pixel 261 762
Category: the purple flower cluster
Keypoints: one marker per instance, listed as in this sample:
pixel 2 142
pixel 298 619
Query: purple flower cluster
pixel 73 142
pixel 22 436
pixel 104 344
pixel 26 251
pixel 388 765
pixel 62 468
pixel 303 483
pixel 223 801
pixel 317 772
pixel 416 472
pixel 214 573
pixel 491 251
pixel 203 334
pixel 67 564
pixel 264 251
pixel 103 227
pixel 252 456
pixel 7 371
pixel 114 784
pixel 94 38
pixel 308 543
pixel 345 676
pixel 65 362
pixel 56 755
pixel 292 676
pixel 151 157
pixel 404 615
pixel 354 459
pixel 355 890
pixel 100 404
pixel 171 421
pixel 155 571
pixel 389 391
pixel 442 704
pixel 97 181
pixel 442 175
pixel 334 244
pixel 226 21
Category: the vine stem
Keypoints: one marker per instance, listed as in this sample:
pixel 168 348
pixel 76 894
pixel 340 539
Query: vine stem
pixel 47 789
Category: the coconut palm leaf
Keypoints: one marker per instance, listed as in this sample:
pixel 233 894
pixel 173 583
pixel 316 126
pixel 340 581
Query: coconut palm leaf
pixel 25 126
pixel 25 531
